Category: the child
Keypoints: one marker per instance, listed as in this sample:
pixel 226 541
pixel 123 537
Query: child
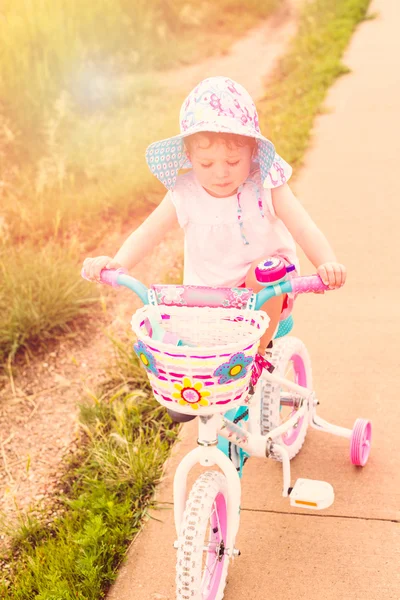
pixel 234 204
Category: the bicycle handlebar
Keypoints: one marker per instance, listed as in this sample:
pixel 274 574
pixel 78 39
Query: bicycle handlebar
pixel 109 276
pixel 118 277
pixel 298 285
pixel 310 283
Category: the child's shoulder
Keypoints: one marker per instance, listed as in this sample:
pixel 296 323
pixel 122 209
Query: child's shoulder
pixel 184 194
pixel 186 182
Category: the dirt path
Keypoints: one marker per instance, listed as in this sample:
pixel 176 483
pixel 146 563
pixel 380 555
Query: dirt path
pixel 266 41
pixel 38 409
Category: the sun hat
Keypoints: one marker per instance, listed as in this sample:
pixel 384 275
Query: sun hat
pixel 218 104
pixel 221 105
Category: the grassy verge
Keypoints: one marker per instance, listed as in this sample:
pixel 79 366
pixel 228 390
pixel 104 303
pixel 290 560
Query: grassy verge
pixel 106 496
pixel 106 493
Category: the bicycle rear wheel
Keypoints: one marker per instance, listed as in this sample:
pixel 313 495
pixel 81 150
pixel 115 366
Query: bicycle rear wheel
pixel 291 360
pixel 202 564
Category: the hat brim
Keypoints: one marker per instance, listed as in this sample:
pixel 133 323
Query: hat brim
pixel 166 157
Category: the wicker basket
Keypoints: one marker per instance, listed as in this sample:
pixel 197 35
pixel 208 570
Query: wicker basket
pixel 211 371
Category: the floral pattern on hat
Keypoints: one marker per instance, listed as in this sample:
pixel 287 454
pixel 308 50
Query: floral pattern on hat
pixel 216 104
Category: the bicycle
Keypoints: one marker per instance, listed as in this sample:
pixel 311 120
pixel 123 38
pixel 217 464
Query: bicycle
pixel 199 348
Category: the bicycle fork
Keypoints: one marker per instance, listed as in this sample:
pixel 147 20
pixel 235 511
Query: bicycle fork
pixel 207 455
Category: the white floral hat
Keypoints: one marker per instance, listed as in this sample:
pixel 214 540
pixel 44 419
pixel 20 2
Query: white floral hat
pixel 220 105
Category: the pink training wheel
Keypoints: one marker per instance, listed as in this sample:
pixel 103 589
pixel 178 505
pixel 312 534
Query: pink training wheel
pixel 360 442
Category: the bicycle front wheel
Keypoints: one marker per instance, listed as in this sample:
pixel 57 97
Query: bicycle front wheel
pixel 202 564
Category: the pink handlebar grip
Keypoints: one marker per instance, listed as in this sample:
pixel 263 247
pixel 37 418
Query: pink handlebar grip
pixel 108 276
pixel 313 283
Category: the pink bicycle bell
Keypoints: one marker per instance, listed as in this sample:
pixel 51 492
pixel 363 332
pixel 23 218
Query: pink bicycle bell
pixel 272 270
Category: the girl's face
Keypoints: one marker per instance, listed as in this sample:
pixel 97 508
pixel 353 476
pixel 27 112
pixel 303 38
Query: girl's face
pixel 219 169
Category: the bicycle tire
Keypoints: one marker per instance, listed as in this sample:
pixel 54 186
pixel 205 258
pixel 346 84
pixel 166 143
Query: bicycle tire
pixel 288 352
pixel 206 509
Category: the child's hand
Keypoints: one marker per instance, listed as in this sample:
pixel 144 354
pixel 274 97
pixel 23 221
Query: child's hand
pixel 332 274
pixel 93 266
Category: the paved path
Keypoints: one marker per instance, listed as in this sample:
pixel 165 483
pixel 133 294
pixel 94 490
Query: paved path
pixel 351 186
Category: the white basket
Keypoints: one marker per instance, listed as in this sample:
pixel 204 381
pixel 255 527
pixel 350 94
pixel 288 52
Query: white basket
pixel 211 373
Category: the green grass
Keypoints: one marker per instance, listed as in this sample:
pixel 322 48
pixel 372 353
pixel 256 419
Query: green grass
pixel 40 296
pixel 106 493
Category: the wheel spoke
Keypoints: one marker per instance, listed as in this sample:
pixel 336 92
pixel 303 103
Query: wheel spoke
pixel 289 369
pixel 217 516
pixel 208 572
pixel 211 532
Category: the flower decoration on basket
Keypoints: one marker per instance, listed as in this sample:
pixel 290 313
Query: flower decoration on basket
pixel 146 357
pixel 235 368
pixel 191 394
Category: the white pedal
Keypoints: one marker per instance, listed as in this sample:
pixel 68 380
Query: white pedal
pixel 312 494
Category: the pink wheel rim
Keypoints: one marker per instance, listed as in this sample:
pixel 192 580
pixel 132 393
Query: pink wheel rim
pixel 360 444
pixel 215 560
pixel 301 379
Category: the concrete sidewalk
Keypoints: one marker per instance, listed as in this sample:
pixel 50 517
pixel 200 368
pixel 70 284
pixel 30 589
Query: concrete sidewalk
pixel 351 551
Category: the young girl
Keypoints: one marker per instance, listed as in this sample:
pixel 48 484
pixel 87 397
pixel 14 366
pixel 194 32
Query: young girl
pixel 234 203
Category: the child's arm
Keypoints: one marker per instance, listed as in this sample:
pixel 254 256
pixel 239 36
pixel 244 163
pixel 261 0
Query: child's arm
pixel 148 235
pixel 311 239
pixel 140 243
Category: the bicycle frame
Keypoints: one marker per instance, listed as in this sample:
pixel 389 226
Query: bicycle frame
pixel 207 454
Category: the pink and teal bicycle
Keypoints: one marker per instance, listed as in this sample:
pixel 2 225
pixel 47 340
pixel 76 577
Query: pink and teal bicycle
pixel 199 348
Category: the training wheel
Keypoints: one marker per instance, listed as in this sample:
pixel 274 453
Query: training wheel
pixel 360 442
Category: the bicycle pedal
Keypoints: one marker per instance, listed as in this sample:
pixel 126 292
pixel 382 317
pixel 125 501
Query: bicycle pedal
pixel 312 494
